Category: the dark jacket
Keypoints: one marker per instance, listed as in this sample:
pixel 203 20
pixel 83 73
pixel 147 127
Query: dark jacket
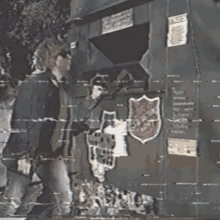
pixel 33 120
pixel 73 120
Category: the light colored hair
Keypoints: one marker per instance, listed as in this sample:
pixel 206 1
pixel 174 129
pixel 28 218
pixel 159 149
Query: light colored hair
pixel 48 51
pixel 38 63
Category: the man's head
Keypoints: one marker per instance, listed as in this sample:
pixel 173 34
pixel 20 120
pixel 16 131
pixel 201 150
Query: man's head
pixel 63 62
pixel 99 85
pixel 54 54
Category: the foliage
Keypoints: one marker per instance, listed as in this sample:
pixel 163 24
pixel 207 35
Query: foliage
pixel 28 22
pixel 39 19
pixel 23 25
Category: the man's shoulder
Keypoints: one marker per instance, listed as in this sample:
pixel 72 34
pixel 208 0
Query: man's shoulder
pixel 34 81
pixel 41 75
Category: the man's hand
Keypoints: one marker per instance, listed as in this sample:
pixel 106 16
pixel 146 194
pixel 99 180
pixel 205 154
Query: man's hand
pixel 123 80
pixel 24 165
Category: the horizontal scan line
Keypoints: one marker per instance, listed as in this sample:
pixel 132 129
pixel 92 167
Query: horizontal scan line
pixel 37 203
pixel 157 81
pixel 186 183
pixel 173 75
pixel 178 92
pixel 211 184
pixel 183 103
pixel 200 203
pixel 154 184
pixel 179 98
pixel 199 193
pixel 178 81
pixel 197 120
pixel 177 132
pixel 182 120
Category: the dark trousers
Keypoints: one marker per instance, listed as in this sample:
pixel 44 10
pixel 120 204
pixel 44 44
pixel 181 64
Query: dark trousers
pixel 54 174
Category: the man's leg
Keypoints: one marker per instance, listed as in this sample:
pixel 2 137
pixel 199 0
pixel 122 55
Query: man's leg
pixel 14 192
pixel 74 169
pixel 33 191
pixel 56 176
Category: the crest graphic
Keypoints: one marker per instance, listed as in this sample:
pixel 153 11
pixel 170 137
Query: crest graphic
pixel 144 122
pixel 106 143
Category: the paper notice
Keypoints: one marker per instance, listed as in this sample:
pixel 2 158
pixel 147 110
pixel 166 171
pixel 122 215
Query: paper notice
pixel 177 30
pixel 117 21
pixel 182 147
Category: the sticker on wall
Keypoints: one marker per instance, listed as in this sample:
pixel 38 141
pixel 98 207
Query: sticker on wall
pixel 117 21
pixel 177 30
pixel 107 143
pixel 144 121
pixel 182 147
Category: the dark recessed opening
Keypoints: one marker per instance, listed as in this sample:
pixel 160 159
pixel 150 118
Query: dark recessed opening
pixel 127 45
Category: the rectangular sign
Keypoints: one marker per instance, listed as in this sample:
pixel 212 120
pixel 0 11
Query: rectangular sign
pixel 117 21
pixel 184 147
pixel 177 30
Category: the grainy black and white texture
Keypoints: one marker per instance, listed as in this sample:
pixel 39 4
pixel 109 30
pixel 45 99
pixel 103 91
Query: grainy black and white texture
pixel 172 169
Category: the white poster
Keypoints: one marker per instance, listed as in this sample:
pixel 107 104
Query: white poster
pixel 117 21
pixel 184 147
pixel 177 30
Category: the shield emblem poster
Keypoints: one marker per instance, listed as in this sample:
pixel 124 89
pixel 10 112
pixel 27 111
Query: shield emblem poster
pixel 144 118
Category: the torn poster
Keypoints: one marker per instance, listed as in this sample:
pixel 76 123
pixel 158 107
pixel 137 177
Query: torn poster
pixel 107 143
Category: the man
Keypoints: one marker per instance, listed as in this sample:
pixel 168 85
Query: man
pixel 36 191
pixel 80 110
pixel 33 121
pixel 43 120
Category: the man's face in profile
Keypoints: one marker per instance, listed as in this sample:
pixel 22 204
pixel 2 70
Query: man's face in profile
pixel 64 63
pixel 97 91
